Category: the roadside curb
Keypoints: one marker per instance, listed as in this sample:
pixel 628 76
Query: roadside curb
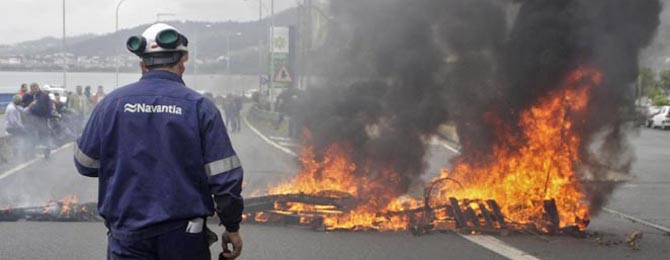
pixel 268 140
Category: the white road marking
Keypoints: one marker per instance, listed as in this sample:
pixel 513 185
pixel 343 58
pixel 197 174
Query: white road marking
pixel 289 144
pixel 267 140
pixel 278 138
pixel 498 246
pixel 450 148
pixel 637 220
pixel 488 242
pixel 22 166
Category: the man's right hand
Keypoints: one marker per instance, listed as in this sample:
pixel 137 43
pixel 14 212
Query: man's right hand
pixel 231 238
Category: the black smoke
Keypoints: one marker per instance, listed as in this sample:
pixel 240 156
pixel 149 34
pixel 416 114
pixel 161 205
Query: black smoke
pixel 393 71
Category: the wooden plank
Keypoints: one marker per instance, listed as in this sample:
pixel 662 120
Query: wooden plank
pixel 487 215
pixel 8 216
pixel 551 215
pixel 263 203
pixel 497 214
pixel 458 214
pixel 472 217
pixel 286 218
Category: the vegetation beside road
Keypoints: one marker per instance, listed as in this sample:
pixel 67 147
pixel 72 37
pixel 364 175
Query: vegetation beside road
pixel 655 86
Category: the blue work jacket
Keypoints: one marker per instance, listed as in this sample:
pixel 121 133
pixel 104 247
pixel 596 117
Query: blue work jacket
pixel 162 155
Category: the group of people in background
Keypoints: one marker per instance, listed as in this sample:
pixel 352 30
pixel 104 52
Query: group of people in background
pixel 232 107
pixel 39 118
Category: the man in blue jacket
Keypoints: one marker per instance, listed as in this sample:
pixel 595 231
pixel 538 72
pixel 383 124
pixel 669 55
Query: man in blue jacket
pixel 39 111
pixel 163 158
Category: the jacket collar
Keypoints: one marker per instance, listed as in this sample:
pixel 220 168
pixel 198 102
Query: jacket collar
pixel 161 74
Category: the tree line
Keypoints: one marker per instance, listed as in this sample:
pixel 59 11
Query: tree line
pixel 655 86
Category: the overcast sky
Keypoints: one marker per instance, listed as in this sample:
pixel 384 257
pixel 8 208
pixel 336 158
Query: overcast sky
pixel 33 19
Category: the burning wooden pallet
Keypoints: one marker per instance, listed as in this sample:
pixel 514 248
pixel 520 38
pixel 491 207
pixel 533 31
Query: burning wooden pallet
pixel 465 215
pixel 314 211
pixel 277 209
pixel 56 211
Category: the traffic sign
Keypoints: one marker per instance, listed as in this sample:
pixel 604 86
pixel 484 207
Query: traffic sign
pixel 283 75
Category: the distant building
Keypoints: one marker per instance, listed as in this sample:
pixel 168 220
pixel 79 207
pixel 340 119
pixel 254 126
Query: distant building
pixel 10 61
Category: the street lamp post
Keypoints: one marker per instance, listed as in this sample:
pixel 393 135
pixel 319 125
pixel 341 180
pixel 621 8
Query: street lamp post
pixel 260 39
pixel 271 46
pixel 116 32
pixel 196 45
pixel 64 50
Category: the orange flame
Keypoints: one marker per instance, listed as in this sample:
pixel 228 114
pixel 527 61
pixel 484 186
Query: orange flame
pixel 336 173
pixel 68 203
pixel 541 166
pixel 524 173
pixel 61 207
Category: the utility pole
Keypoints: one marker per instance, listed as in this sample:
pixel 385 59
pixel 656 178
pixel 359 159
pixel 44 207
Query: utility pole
pixel 196 51
pixel 64 50
pixel 305 43
pixel 271 46
pixel 116 33
pixel 260 39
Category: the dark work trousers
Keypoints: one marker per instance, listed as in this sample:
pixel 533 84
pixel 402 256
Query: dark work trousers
pixel 173 245
pixel 37 132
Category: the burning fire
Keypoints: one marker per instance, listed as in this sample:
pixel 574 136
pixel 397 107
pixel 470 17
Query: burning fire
pixel 525 172
pixel 62 207
pixel 540 166
pixel 336 176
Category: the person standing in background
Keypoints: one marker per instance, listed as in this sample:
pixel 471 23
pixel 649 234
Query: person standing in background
pixel 23 90
pixel 238 105
pixel 59 106
pixel 89 100
pixel 219 100
pixel 13 115
pixel 77 103
pixel 29 97
pixel 15 127
pixel 40 110
pixel 99 95
pixel 229 109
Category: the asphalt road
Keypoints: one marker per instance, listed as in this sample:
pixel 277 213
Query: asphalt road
pixel 645 197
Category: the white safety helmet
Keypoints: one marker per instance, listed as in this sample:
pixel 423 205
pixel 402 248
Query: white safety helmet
pixel 158 38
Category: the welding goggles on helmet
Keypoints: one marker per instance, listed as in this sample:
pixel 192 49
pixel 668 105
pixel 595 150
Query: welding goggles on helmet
pixel 168 40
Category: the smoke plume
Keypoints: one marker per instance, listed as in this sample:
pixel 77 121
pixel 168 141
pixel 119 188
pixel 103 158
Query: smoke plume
pixel 395 71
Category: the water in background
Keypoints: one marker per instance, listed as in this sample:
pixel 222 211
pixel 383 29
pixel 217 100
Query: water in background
pixel 10 81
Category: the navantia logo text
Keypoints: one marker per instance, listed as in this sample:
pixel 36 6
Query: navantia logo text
pixel 145 108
